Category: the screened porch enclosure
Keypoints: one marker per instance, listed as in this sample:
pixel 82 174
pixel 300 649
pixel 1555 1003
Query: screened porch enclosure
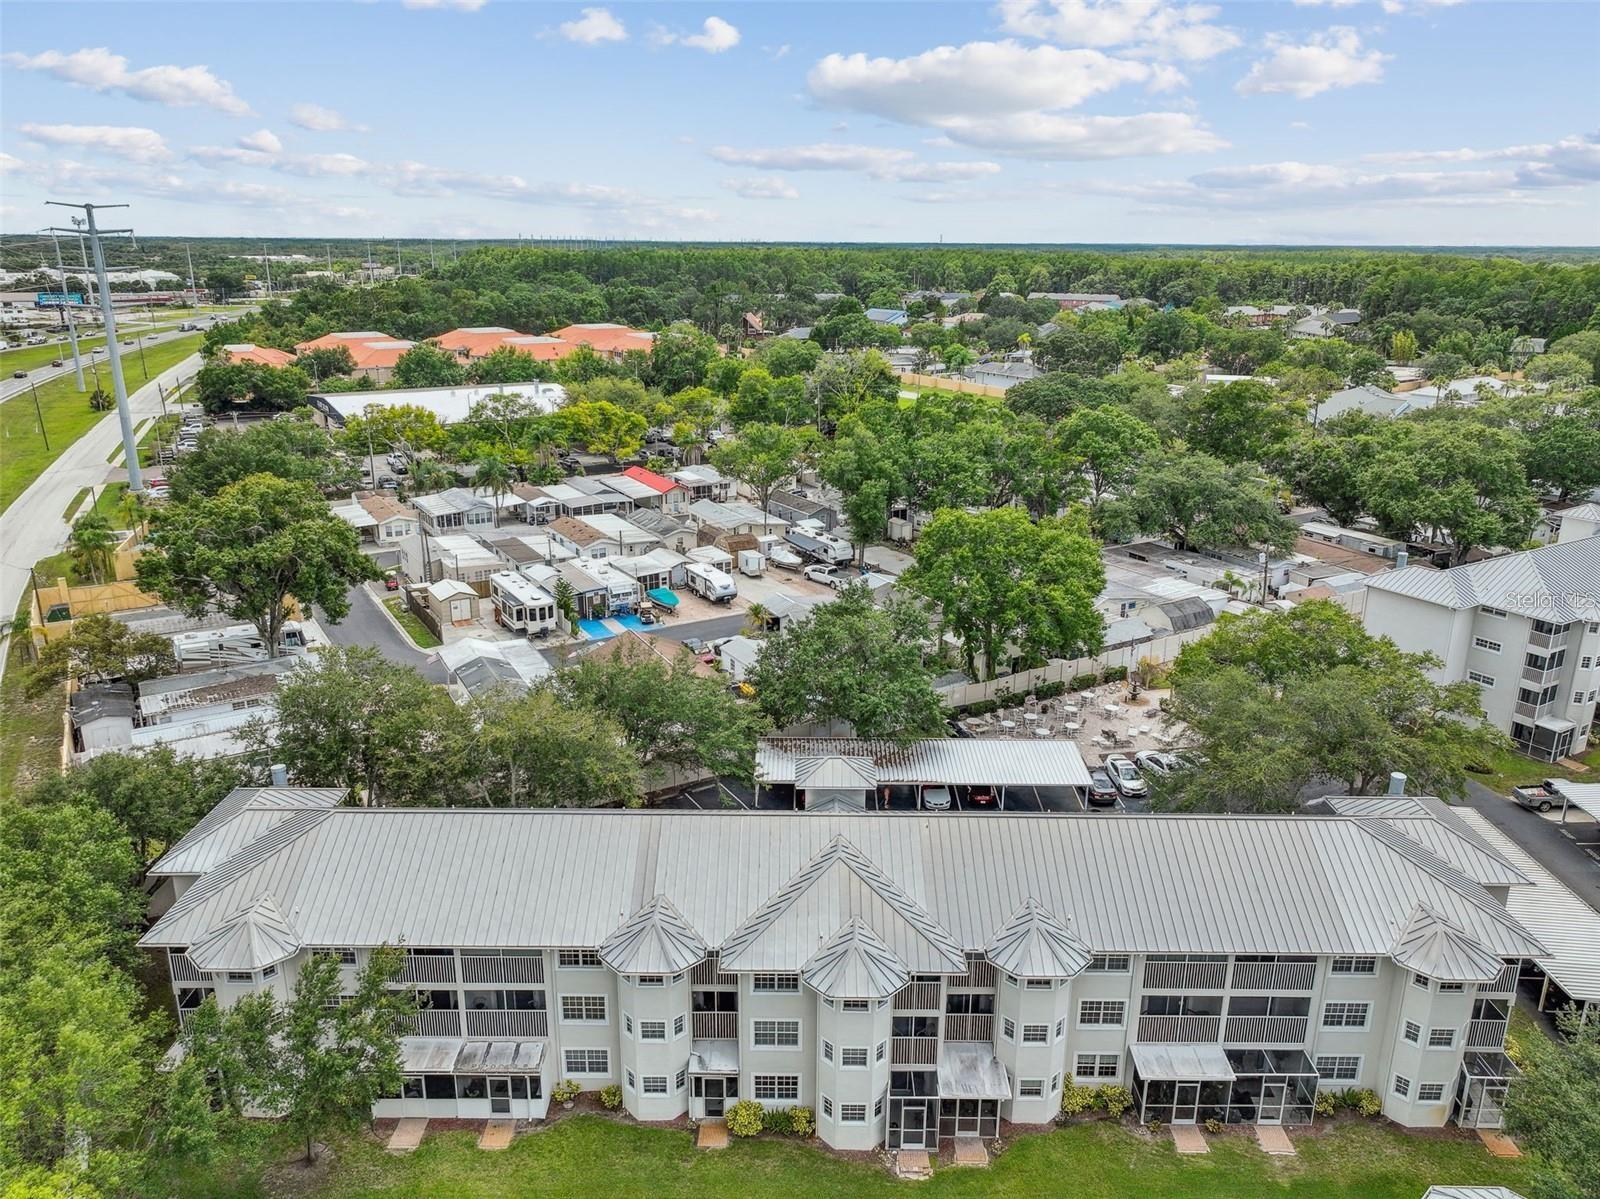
pixel 1480 1098
pixel 1190 1084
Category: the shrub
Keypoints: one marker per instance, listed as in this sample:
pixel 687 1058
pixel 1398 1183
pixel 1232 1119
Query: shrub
pixel 1326 1102
pixel 1155 1126
pixel 566 1091
pixel 779 1120
pixel 746 1118
pixel 1214 1126
pixel 1076 1100
pixel 1114 1100
pixel 1049 690
pixel 611 1097
pixel 1114 674
pixel 1362 1101
pixel 802 1121
pixel 982 707
pixel 1082 682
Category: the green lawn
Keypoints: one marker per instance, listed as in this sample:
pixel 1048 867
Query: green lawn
pixel 66 415
pixel 1508 769
pixel 415 629
pixel 590 1155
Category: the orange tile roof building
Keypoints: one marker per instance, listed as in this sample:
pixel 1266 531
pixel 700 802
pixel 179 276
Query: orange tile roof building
pixel 604 338
pixel 373 353
pixel 474 343
pixel 261 355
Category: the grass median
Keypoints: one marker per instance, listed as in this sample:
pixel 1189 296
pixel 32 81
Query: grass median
pixel 67 415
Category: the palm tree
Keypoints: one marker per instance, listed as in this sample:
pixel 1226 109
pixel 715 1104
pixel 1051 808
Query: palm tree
pixel 490 471
pixel 428 475
pixel 91 542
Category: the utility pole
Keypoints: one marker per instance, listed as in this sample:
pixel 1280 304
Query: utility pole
pixel 39 412
pixel 433 263
pixel 268 263
pixel 130 446
pixel 194 296
pixel 66 308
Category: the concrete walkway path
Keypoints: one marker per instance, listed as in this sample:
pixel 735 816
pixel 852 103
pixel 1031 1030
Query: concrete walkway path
pixel 407 1134
pixel 712 1134
pixel 1187 1139
pixel 1274 1141
pixel 496 1134
pixel 33 527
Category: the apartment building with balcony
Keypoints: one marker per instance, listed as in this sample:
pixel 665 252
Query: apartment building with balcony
pixel 1524 627
pixel 910 977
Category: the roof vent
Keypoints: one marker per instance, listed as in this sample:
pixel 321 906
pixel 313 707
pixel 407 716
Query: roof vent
pixel 279 774
pixel 1397 783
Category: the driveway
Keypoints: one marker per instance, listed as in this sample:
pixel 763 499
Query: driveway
pixel 1542 838
pixel 367 624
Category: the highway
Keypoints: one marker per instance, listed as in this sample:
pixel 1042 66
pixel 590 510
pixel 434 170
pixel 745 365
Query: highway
pixel 42 374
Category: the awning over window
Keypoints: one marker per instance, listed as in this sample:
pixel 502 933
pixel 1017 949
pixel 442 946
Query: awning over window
pixel 968 1070
pixel 714 1057
pixel 429 1055
pixel 1182 1063
pixel 450 1055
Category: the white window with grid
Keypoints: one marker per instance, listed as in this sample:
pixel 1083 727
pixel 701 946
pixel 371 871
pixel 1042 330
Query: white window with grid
pixel 680 1024
pixel 1441 1038
pixel 652 1030
pixel 1430 1092
pixel 1097 1065
pixel 1008 1028
pixel 1358 965
pixel 852 1113
pixel 1030 1088
pixel 776 1086
pixel 780 983
pixel 1413 1031
pixel 1101 1013
pixel 1036 1034
pixel 681 1081
pixel 827 1107
pixel 827 1050
pixel 1402 1086
pixel 853 1057
pixel 1345 1014
pixel 578 959
pixel 583 1009
pixel 586 1061
pixel 1338 1067
pixel 629 1081
pixel 1110 963
pixel 775 1034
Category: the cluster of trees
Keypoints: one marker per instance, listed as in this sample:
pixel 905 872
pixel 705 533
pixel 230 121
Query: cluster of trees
pixel 1277 701
pixel 596 734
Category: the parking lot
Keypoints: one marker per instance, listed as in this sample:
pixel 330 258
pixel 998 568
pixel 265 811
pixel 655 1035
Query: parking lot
pixel 725 795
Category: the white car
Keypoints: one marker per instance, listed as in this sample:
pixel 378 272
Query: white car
pixel 1125 778
pixel 828 576
pixel 936 799
pixel 1155 761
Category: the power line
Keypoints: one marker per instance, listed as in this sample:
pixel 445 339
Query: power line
pixel 130 447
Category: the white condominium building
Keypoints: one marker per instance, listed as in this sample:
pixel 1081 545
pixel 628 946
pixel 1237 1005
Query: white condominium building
pixel 911 977
pixel 1525 628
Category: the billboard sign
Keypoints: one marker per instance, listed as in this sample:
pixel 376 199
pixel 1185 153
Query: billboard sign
pixel 58 299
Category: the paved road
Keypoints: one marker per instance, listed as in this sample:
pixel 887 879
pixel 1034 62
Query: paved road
pixel 368 624
pixel 10 387
pixel 708 629
pixel 33 528
pixel 1541 838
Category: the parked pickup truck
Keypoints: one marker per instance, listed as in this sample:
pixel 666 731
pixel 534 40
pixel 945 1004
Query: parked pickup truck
pixel 1538 797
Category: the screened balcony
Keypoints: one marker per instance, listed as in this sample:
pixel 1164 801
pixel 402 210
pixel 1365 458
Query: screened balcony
pixel 428 966
pixel 1274 974
pixel 494 966
pixel 1171 972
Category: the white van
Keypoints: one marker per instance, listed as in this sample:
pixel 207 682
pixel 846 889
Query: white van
pixel 710 583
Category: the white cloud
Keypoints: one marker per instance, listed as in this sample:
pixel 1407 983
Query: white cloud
pixel 1060 137
pixel 263 140
pixel 880 162
pixel 458 5
pixel 1326 3
pixel 1461 155
pixel 594 26
pixel 1332 59
pixel 978 79
pixel 1396 7
pixel 715 36
pixel 102 71
pixel 763 187
pixel 132 142
pixel 321 120
pixel 1146 28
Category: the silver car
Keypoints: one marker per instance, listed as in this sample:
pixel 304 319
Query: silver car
pixel 1125 777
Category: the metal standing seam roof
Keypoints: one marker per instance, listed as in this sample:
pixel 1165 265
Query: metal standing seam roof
pixel 1555 582
pixel 253 938
pixel 1435 825
pixel 969 1070
pixel 714 1057
pixel 1204 1062
pixel 772 886
pixel 855 964
pixel 1584 796
pixel 654 940
pixel 1450 1192
pixel 1568 926
pixel 1034 944
pixel 496 1057
pixel 241 816
pixel 835 772
pixel 992 761
pixel 1432 945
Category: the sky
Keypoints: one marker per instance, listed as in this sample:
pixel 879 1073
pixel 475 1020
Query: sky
pixel 1438 122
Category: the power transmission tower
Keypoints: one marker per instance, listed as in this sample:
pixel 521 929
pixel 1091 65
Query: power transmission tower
pixel 130 446
pixel 66 309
